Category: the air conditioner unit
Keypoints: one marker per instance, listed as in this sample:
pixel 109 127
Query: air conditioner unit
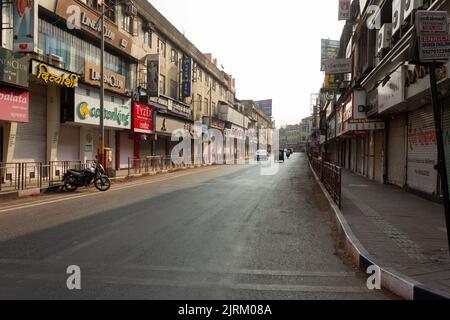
pixel 131 10
pixel 148 26
pixel 397 15
pixel 410 6
pixel 384 38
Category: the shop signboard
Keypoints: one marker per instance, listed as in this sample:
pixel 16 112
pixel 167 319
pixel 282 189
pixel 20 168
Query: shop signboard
pixel 329 50
pixel 338 66
pixel 186 83
pixel 143 118
pixel 88 20
pixel 14 104
pixel 166 125
pixel 393 92
pixel 217 124
pixel 117 110
pixel 113 81
pixel 432 30
pixel 54 76
pixel 13 68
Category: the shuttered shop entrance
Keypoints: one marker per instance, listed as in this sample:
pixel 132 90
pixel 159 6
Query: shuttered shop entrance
pixel 69 144
pixel 378 162
pixel 446 132
pixel 31 138
pixel 396 156
pixel 422 151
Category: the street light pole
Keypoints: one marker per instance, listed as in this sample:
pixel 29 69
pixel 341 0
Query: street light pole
pixel 101 147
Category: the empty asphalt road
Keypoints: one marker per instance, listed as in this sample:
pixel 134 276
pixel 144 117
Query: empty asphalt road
pixel 224 232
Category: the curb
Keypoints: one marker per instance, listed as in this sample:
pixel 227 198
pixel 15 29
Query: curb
pixel 391 280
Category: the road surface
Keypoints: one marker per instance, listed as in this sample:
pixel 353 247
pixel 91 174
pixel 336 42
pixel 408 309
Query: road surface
pixel 223 232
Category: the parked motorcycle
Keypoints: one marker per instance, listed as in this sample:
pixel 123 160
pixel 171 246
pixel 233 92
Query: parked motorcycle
pixel 73 179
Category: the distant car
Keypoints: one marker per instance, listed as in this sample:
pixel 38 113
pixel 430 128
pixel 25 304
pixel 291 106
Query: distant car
pixel 262 155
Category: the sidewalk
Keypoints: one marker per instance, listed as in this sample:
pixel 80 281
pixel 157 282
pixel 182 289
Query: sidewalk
pixel 399 230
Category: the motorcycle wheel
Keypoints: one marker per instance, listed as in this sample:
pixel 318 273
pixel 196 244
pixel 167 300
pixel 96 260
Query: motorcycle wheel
pixel 102 184
pixel 70 184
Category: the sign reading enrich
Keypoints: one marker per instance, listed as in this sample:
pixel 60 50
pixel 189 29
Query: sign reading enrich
pixel 89 20
pixel 143 118
pixel 13 69
pixel 432 31
pixel 117 112
pixel 113 81
pixel 14 105
pixel 53 75
pixel 337 66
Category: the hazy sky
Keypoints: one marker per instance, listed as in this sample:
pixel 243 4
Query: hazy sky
pixel 272 48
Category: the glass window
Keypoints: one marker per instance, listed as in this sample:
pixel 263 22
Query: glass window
pixel 162 48
pixel 174 56
pixel 162 84
pixel 147 38
pixel 174 89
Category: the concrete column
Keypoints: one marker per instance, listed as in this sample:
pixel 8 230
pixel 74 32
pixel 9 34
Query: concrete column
pixel 53 122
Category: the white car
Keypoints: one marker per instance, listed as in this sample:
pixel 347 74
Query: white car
pixel 262 155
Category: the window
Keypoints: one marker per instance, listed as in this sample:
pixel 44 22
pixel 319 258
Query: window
pixel 206 105
pixel 147 38
pixel 199 103
pixel 162 84
pixel 174 89
pixel 194 74
pixel 200 75
pixel 162 48
pixel 214 111
pixel 127 21
pixel 6 33
pixel 214 86
pixel 110 10
pixel 174 56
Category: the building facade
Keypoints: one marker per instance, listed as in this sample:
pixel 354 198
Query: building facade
pixel 156 81
pixel 379 122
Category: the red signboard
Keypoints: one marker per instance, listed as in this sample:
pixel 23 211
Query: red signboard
pixel 142 118
pixel 14 105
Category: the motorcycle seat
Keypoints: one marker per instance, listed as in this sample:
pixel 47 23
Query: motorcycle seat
pixel 76 173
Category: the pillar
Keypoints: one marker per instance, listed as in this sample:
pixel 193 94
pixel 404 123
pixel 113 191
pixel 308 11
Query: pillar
pixel 53 122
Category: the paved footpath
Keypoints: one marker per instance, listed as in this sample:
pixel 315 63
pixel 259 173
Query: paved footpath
pixel 223 232
pixel 399 230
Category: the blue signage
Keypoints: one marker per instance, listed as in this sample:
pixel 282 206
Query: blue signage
pixel 186 81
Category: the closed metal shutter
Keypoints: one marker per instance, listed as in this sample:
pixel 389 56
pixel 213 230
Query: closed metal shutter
pixel 69 143
pixel 446 132
pixel 126 149
pixel 145 148
pixel 31 138
pixel 422 151
pixel 378 162
pixel 396 156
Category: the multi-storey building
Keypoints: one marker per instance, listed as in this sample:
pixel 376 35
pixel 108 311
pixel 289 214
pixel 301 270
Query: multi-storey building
pixel 381 123
pixel 156 81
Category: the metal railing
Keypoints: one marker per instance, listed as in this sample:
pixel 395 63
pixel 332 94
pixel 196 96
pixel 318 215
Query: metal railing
pixel 27 175
pixel 331 177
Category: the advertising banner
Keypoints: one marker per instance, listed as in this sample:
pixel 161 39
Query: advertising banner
pixel 14 105
pixel 329 50
pixel 25 20
pixel 153 75
pixel 265 106
pixel 143 118
pixel 344 9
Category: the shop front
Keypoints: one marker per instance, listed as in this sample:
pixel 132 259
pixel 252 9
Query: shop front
pixel 166 124
pixel 82 119
pixel 143 132
pixel 14 101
